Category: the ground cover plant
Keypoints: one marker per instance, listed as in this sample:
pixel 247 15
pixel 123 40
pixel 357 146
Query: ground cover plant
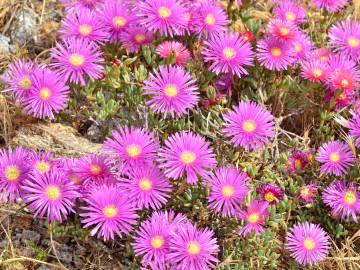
pixel 229 135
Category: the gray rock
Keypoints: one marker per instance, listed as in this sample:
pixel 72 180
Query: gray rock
pixel 25 27
pixel 31 236
pixel 94 133
pixel 43 267
pixel 64 253
pixel 5 46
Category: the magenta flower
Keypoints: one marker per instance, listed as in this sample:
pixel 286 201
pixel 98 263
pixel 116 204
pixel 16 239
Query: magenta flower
pixel 275 54
pixel 298 161
pixel 14 170
pixel 283 30
pixel 175 49
pixel 225 84
pixel 302 46
pixel 330 5
pixel 68 167
pixel 186 153
pixel 130 148
pixel 336 158
pixel 343 198
pixel 227 191
pixel 93 170
pixel 345 38
pixel 172 90
pixel 228 53
pixel 254 217
pixel 75 58
pixel 116 17
pixel 193 248
pixel 43 163
pixel 308 193
pixel 249 125
pixel 344 74
pixel 48 95
pixel 271 193
pixel 308 243
pixel 354 128
pixel 19 78
pixel 291 11
pixel 147 187
pixel 134 37
pixel 83 24
pixel 323 55
pixel 210 19
pixel 50 195
pixel 314 70
pixel 109 210
pixel 81 4
pixel 165 16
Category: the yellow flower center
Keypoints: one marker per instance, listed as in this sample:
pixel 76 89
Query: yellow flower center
pixel 353 42
pixel 45 93
pixel 75 179
pixel 210 19
pixel 95 169
pixel 193 248
pixel 139 38
pixel 25 83
pixel 12 173
pixel 305 192
pixel 317 72
pixel 157 241
pixel 42 166
pixel 276 51
pixel 85 30
pixel 334 157
pixel 297 47
pixel 309 243
pixel 229 53
pixel 290 16
pixel 119 21
pixel 228 191
pixel 53 193
pixel 269 197
pixel 145 184
pixel 187 157
pixel 164 12
pixel 253 218
pixel 249 126
pixel 298 164
pixel 344 83
pixel 77 60
pixel 133 150
pixel 284 31
pixel 323 58
pixel 350 197
pixel 171 90
pixel 110 211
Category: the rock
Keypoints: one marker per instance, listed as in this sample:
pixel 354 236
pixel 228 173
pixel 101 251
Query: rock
pixel 43 267
pixel 53 137
pixel 31 236
pixel 25 27
pixel 64 253
pixel 94 133
pixel 5 47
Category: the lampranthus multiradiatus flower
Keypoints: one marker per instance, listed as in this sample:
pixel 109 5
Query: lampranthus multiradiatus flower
pixel 322 54
pixel 18 78
pixel 228 53
pixel 345 38
pixel 336 158
pixel 354 127
pixel 302 46
pixel 73 5
pixel 48 94
pixel 291 11
pixel 275 54
pixel 117 16
pixel 177 50
pixel 109 211
pixel 210 19
pixel 186 154
pixel 50 195
pixel 227 190
pixel 14 170
pixel 172 90
pixel 147 187
pixel 83 24
pixel 283 30
pixel 193 248
pixel 254 217
pixel 134 37
pixel 330 5
pixel 165 16
pixel 307 243
pixel 42 163
pixel 298 161
pixel 343 198
pixel 314 70
pixel 130 148
pixel 249 125
pixel 308 193
pixel 270 193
